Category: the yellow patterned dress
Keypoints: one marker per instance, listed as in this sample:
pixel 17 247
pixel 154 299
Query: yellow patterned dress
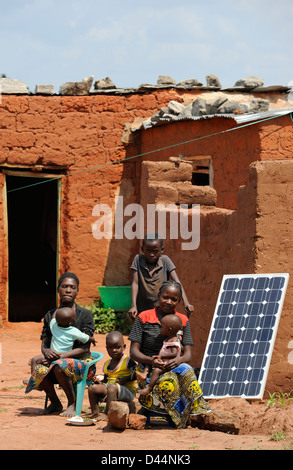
pixel 176 393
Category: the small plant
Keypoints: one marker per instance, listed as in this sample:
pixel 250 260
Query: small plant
pixel 272 400
pixel 279 399
pixel 106 319
pixel 278 436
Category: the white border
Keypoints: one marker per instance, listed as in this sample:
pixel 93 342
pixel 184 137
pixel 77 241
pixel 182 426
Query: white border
pixel 272 341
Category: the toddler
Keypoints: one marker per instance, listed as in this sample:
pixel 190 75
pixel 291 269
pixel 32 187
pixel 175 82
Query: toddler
pixel 171 326
pixel 63 334
pixel 119 378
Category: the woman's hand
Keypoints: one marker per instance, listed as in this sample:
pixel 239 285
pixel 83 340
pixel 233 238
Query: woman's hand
pixel 157 362
pixel 172 364
pixel 51 354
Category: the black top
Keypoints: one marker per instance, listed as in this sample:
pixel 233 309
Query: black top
pixel 146 330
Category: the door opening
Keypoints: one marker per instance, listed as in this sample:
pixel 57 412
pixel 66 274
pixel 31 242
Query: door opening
pixel 32 215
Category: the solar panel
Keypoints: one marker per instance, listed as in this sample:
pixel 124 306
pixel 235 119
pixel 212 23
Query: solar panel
pixel 242 335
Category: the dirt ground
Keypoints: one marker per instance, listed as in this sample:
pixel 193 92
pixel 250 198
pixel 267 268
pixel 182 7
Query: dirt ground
pixel 21 428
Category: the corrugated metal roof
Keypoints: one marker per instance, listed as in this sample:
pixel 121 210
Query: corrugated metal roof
pixel 239 118
pixel 242 118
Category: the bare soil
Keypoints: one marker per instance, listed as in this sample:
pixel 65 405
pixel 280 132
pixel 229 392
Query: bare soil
pixel 21 428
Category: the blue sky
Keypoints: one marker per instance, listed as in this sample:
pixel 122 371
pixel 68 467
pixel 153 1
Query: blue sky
pixel 133 42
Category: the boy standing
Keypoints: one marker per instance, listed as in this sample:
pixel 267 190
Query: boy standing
pixel 150 270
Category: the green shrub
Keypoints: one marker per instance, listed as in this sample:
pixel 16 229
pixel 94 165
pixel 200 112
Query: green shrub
pixel 106 319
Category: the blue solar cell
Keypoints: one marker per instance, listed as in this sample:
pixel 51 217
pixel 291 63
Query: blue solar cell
pixel 228 297
pixel 224 309
pixel 242 334
pixel 231 284
pixel 277 283
pixel 273 295
pixel 261 283
pixel 253 389
pixel 270 308
pixel 221 388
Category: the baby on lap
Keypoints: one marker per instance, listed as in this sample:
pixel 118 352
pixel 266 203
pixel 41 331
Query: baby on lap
pixel 170 327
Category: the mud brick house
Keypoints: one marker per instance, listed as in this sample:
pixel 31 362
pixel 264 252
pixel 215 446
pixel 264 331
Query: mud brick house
pixel 61 155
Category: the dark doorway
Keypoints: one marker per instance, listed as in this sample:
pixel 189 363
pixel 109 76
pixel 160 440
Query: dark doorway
pixel 32 246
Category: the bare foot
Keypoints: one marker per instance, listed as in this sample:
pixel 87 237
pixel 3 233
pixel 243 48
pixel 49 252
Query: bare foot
pixel 92 415
pixel 145 391
pixel 53 408
pixel 102 417
pixel 98 417
pixel 141 375
pixel 70 411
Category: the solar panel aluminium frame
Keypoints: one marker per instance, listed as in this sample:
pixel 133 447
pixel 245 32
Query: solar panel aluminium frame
pixel 272 340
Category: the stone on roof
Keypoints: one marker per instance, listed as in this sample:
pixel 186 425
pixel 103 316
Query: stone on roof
pixel 12 86
pixel 166 80
pixel 77 88
pixel 104 84
pixel 249 82
pixel 44 90
pixel 190 83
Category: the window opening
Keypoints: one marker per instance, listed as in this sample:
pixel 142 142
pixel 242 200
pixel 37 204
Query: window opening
pixel 202 170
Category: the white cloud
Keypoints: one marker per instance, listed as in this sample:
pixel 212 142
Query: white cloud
pixel 133 42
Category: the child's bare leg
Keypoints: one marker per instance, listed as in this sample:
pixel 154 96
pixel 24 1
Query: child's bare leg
pixel 142 375
pixel 96 392
pixel 36 360
pixel 33 362
pixel 112 395
pixel 155 375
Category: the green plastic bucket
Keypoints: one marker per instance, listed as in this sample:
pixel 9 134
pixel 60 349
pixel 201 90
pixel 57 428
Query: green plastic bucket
pixel 116 297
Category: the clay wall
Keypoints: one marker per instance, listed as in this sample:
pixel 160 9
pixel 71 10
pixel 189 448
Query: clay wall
pixel 69 135
pixel 273 185
pixel 79 138
pixel 231 152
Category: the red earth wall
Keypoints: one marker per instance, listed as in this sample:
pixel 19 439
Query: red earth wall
pixel 73 134
pixel 231 152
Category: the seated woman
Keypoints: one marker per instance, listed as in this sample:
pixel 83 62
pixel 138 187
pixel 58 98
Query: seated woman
pixel 177 391
pixel 65 368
